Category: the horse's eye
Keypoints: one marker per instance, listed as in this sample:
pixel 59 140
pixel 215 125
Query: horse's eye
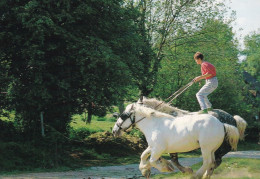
pixel 125 115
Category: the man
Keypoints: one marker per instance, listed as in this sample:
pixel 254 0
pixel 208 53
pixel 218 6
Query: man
pixel 208 72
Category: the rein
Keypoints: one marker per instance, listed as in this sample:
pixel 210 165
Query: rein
pixel 176 94
pixel 124 117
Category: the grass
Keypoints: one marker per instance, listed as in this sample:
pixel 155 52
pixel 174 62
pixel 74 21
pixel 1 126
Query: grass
pixel 97 124
pixel 230 168
pixel 80 129
pixel 237 167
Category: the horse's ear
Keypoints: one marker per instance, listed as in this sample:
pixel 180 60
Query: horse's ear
pixel 132 107
pixel 140 101
pixel 116 115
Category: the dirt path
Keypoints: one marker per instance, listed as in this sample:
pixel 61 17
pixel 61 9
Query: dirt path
pixel 125 171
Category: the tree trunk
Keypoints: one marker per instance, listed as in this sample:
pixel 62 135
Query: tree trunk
pixel 144 91
pixel 121 106
pixel 90 111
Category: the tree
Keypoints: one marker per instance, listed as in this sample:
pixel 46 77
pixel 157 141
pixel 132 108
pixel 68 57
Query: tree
pixel 159 24
pixel 251 65
pixel 252 52
pixel 216 41
pixel 64 56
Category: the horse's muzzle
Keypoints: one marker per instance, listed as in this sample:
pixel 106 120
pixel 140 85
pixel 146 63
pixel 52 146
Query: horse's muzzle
pixel 116 131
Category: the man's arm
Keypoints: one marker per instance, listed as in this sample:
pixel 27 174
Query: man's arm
pixel 198 78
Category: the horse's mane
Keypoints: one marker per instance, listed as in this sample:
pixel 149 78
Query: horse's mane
pixel 149 112
pixel 163 107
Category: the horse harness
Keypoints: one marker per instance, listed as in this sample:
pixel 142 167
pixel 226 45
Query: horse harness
pixel 124 116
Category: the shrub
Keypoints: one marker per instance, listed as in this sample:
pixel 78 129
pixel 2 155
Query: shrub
pixel 104 142
pixel 81 133
pixel 8 132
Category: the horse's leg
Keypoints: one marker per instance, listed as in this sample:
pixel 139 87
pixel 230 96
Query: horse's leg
pixel 207 161
pixel 211 167
pixel 158 162
pixel 183 169
pixel 218 160
pixel 144 165
pixel 221 151
pixel 165 165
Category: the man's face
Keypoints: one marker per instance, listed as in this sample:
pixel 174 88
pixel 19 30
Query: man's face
pixel 198 61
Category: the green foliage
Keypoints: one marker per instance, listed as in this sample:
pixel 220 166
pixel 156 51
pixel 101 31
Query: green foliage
pixel 137 133
pixel 8 131
pixel 252 52
pixel 27 156
pixel 159 24
pixel 246 145
pixel 64 57
pixel 252 66
pixel 215 41
pixel 81 133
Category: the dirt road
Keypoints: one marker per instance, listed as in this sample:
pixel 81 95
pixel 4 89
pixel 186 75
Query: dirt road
pixel 125 171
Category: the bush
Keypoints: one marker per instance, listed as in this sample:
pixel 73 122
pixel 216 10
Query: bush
pixel 81 133
pixel 8 131
pixel 30 155
pixel 137 133
pixel 104 142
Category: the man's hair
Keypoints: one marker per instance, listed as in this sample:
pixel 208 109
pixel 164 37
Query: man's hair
pixel 198 55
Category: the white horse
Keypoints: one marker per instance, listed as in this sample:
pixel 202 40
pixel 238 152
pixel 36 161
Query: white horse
pixel 221 115
pixel 167 134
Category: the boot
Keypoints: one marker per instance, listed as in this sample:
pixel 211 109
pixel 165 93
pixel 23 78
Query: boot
pixel 210 109
pixel 204 111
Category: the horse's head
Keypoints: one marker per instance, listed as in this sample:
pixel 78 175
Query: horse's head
pixel 125 120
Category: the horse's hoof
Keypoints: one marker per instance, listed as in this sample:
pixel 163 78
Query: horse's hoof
pixel 146 173
pixel 148 176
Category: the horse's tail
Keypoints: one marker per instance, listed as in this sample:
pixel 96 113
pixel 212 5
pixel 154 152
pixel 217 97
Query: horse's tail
pixel 232 135
pixel 241 126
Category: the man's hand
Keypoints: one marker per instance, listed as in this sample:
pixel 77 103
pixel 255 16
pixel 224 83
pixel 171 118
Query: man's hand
pixel 196 79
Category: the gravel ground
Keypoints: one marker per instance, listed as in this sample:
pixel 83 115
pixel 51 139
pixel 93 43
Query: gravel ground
pixel 123 171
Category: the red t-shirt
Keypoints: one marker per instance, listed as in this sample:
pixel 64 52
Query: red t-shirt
pixel 207 67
